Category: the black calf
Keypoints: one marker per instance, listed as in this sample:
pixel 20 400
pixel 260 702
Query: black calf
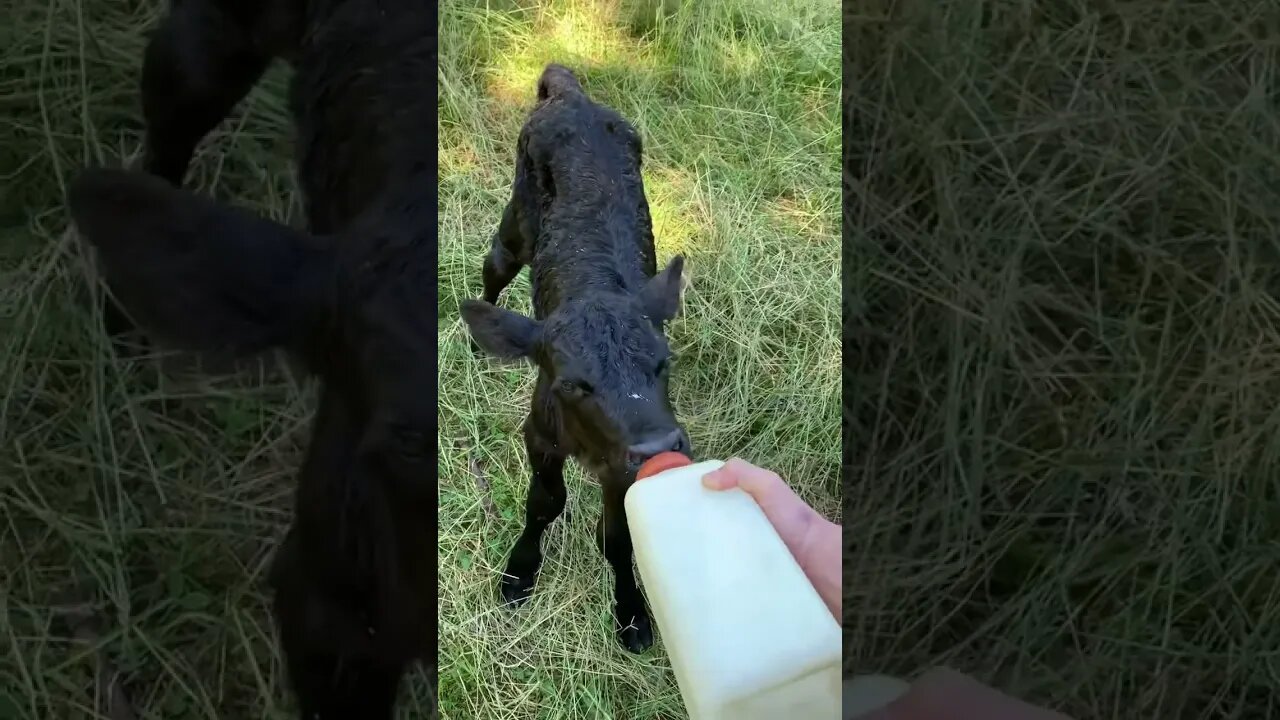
pixel 578 216
pixel 354 299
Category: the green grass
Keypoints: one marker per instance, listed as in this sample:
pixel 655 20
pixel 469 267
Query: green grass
pixel 736 102
pixel 139 508
pixel 1062 267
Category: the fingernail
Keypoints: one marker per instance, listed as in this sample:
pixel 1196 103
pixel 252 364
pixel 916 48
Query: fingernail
pixel 713 480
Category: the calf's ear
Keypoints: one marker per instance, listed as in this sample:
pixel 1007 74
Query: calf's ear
pixel 661 295
pixel 196 273
pixel 501 333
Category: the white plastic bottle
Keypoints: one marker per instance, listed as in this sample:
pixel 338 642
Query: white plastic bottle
pixel 748 636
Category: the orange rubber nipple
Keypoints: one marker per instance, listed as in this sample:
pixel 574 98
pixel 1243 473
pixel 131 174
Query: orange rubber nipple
pixel 662 462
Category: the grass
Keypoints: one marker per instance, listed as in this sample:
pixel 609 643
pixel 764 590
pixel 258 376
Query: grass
pixel 140 502
pixel 736 102
pixel 1062 333
pixel 138 509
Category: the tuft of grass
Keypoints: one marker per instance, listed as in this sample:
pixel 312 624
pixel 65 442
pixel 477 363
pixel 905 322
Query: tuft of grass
pixel 1062 334
pixel 736 102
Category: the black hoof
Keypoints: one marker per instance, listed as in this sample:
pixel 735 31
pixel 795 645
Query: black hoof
pixel 636 636
pixel 516 590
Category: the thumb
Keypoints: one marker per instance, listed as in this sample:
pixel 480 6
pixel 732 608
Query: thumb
pixel 787 512
pixel 764 486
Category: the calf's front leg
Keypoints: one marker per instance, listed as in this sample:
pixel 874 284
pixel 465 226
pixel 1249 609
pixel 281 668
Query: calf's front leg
pixel 199 63
pixel 334 673
pixel 546 502
pixel 502 264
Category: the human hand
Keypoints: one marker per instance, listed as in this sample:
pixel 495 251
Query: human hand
pixel 944 694
pixel 813 540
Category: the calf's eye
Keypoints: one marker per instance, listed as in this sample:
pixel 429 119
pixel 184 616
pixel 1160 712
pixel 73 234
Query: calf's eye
pixel 575 388
pixel 664 366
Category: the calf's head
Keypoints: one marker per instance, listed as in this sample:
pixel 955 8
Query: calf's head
pixel 604 363
pixel 212 278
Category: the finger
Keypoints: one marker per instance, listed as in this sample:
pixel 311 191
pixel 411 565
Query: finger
pixel 787 512
pixel 719 479
pixel 779 502
pixel 735 472
pixel 764 485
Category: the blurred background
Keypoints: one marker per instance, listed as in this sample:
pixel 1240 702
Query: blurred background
pixel 141 499
pixel 1062 350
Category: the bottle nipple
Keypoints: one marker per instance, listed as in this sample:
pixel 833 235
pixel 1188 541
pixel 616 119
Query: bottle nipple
pixel 662 462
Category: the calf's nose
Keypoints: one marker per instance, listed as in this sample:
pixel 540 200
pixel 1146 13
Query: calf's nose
pixel 674 441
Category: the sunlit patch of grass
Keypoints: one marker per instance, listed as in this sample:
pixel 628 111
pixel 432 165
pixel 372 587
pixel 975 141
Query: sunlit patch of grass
pixel 679 215
pixel 742 58
pixel 458 159
pixel 579 34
